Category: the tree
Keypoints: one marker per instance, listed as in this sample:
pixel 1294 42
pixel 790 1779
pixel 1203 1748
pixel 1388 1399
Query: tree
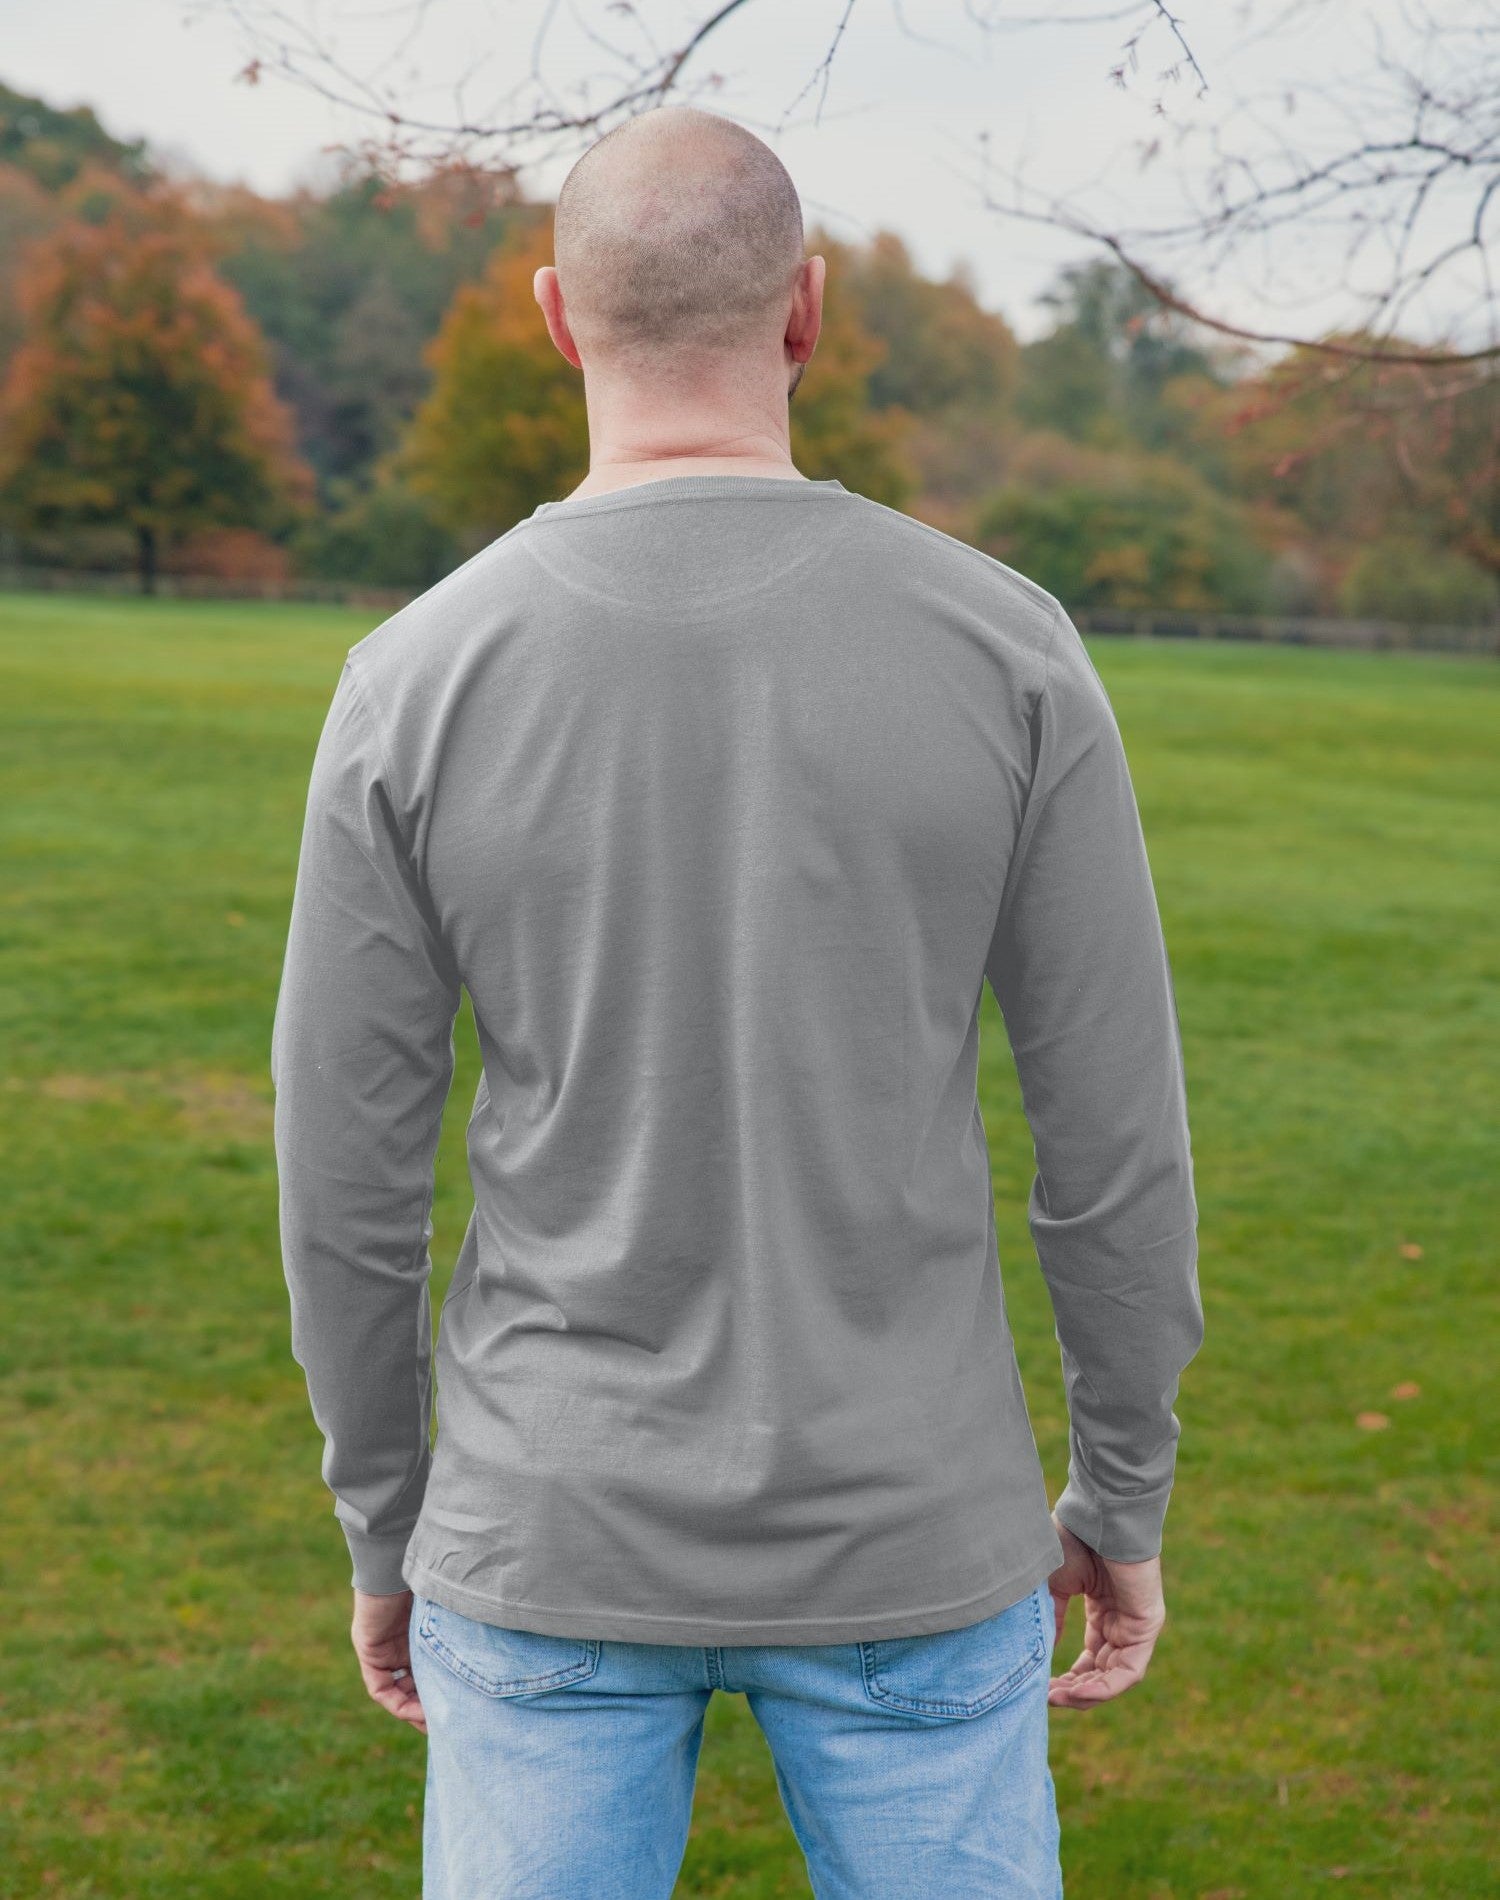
pixel 1389 168
pixel 834 431
pixel 1406 579
pixel 505 426
pixel 348 288
pixel 1126 530
pixel 1101 374
pixel 381 535
pixel 26 212
pixel 943 349
pixel 948 363
pixel 53 147
pixel 139 393
pixel 1344 443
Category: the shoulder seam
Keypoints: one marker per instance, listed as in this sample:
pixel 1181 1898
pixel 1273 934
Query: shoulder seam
pixel 452 575
pixel 1058 616
pixel 372 713
pixel 1023 834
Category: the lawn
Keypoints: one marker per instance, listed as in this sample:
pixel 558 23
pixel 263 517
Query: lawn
pixel 181 1712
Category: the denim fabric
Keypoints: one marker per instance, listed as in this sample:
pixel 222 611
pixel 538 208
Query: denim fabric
pixel 562 1768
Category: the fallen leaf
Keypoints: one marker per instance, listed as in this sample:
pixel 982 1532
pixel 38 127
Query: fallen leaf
pixel 1371 1421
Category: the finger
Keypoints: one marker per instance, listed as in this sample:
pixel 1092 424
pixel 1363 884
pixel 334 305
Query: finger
pixel 399 1696
pixel 1087 1689
pixel 394 1652
pixel 380 1674
pixel 402 1702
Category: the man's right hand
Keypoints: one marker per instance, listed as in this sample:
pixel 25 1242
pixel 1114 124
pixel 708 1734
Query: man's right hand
pixel 1124 1611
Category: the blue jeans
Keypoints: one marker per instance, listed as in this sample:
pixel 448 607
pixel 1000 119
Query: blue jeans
pixel 560 1768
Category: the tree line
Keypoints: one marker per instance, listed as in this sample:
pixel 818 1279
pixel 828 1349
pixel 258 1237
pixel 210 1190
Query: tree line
pixel 354 383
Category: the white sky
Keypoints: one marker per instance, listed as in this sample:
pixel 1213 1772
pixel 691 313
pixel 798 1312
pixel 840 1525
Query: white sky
pixel 914 85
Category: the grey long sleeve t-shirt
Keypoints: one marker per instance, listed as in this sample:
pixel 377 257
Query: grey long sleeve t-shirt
pixel 722 795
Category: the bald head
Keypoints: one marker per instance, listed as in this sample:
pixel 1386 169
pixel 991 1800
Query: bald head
pixel 679 234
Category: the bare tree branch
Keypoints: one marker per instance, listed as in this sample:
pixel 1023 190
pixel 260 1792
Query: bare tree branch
pixel 1414 181
pixel 1406 192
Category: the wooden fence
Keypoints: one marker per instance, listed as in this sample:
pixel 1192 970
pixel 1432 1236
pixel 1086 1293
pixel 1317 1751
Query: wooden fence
pixel 62 580
pixel 1291 630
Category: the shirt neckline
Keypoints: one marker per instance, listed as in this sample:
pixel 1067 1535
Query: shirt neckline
pixel 690 487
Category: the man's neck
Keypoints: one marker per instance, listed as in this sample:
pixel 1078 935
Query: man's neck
pixel 605 476
pixel 751 451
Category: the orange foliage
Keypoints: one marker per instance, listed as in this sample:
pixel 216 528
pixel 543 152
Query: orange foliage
pixel 139 394
pixel 505 426
pixel 240 554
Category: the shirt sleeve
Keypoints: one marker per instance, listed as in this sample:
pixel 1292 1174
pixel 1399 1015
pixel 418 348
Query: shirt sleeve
pixel 361 1061
pixel 1079 968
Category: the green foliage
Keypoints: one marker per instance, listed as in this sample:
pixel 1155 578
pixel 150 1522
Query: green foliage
pixel 1403 579
pixel 349 289
pixel 1103 372
pixel 53 146
pixel 944 376
pixel 505 426
pixel 184 1717
pixel 942 350
pixel 382 535
pixel 1152 535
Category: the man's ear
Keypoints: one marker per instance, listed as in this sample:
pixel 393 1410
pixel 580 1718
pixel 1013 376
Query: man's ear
pixel 548 293
pixel 805 320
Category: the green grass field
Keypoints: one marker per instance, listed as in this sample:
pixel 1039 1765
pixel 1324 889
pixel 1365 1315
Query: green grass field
pixel 181 1712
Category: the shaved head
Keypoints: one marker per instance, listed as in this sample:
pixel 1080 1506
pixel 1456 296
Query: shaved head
pixel 678 234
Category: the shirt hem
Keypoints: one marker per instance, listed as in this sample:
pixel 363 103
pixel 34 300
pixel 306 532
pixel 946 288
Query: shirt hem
pixel 636 1626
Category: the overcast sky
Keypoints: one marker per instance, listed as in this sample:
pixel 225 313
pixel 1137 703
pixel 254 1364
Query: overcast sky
pixel 893 142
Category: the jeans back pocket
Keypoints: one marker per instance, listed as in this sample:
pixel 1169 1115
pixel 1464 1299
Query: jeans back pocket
pixel 956 1674
pixel 501 1661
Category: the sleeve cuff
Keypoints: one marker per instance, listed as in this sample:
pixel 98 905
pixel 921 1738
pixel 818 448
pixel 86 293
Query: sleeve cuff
pixel 377 1561
pixel 1124 1530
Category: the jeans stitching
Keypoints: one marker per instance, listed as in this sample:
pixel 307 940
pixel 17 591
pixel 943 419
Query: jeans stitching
pixel 516 1685
pixel 891 1698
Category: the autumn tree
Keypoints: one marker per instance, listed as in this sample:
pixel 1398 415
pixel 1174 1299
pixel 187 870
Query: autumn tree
pixel 949 364
pixel 27 211
pixel 834 429
pixel 139 394
pixel 1343 442
pixel 347 287
pixel 504 426
pixel 1105 527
